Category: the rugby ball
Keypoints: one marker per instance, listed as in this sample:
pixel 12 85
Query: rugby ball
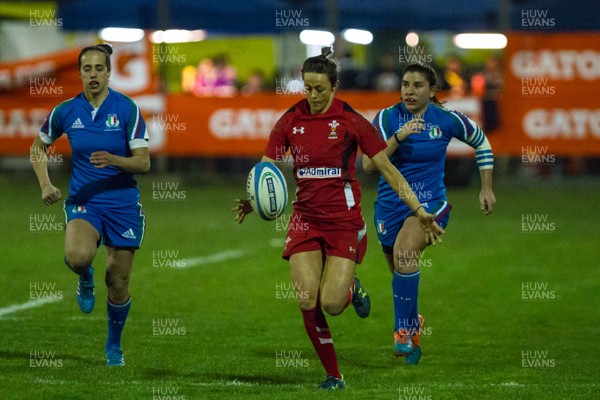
pixel 266 190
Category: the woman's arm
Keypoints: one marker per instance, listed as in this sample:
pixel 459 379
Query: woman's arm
pixel 401 186
pixel 39 163
pixel 138 163
pixel 413 126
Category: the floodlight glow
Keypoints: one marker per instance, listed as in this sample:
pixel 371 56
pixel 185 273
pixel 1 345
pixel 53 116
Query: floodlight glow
pixel 317 37
pixel 177 36
pixel 480 41
pixel 358 36
pixel 121 34
pixel 412 39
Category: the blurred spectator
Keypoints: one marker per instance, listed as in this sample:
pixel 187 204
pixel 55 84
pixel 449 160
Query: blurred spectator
pixel 454 81
pixel 488 85
pixel 215 77
pixel 225 77
pixel 388 80
pixel 205 78
pixel 188 79
pixel 255 83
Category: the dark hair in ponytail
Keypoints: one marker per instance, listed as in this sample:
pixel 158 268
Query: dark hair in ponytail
pixel 103 48
pixel 322 64
pixel 428 73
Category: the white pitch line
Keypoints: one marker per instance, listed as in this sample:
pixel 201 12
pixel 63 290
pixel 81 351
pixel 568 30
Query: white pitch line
pixel 213 258
pixel 25 306
pixel 190 262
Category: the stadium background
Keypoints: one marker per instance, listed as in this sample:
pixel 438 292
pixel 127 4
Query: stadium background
pixel 511 298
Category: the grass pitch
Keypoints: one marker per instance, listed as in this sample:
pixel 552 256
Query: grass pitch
pixel 510 301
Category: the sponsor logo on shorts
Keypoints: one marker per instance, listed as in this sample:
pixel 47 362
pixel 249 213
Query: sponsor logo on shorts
pixel 79 210
pixel 128 234
pixel 381 226
pixel 319 172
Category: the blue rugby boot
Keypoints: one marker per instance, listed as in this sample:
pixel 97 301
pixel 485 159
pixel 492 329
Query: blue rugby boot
pixel 114 357
pixel 332 383
pixel 361 300
pixel 86 298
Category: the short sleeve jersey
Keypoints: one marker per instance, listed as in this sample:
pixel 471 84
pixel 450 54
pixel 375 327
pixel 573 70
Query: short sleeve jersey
pixel 421 157
pixel 111 127
pixel 323 148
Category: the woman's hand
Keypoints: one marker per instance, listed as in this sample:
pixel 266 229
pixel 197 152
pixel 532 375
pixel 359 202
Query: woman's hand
pixel 413 126
pixel 433 232
pixel 242 209
pixel 487 200
pixel 50 194
pixel 102 159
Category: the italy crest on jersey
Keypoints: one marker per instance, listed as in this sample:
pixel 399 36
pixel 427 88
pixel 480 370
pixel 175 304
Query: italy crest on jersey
pixel 112 121
pixel 435 133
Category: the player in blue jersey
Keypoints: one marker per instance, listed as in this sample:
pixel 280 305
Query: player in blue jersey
pixel 109 144
pixel 417 132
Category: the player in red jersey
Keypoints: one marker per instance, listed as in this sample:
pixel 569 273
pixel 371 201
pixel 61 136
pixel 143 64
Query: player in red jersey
pixel 328 238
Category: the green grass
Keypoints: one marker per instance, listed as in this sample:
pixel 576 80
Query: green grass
pixel 231 323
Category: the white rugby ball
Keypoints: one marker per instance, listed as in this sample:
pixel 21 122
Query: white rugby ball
pixel 267 190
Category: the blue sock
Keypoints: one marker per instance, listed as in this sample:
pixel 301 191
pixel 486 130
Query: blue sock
pixel 117 314
pixel 87 274
pixel 406 290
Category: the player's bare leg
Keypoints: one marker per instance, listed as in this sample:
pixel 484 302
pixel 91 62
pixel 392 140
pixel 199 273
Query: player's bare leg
pixel 119 262
pixel 118 271
pixel 81 240
pixel 306 270
pixel 338 278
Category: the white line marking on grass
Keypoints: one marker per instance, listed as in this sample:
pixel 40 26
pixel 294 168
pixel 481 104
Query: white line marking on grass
pixel 235 382
pixel 25 306
pixel 213 258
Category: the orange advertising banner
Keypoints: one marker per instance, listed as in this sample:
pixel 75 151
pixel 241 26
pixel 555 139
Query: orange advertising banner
pixel 550 105
pixel 551 101
pixel 237 125
pixel 30 88
pixel 240 126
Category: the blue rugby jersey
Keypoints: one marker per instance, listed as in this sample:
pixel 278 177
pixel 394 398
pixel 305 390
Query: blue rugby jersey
pixel 115 124
pixel 421 157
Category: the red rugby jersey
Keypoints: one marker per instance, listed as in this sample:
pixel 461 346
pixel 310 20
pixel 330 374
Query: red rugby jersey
pixel 323 148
